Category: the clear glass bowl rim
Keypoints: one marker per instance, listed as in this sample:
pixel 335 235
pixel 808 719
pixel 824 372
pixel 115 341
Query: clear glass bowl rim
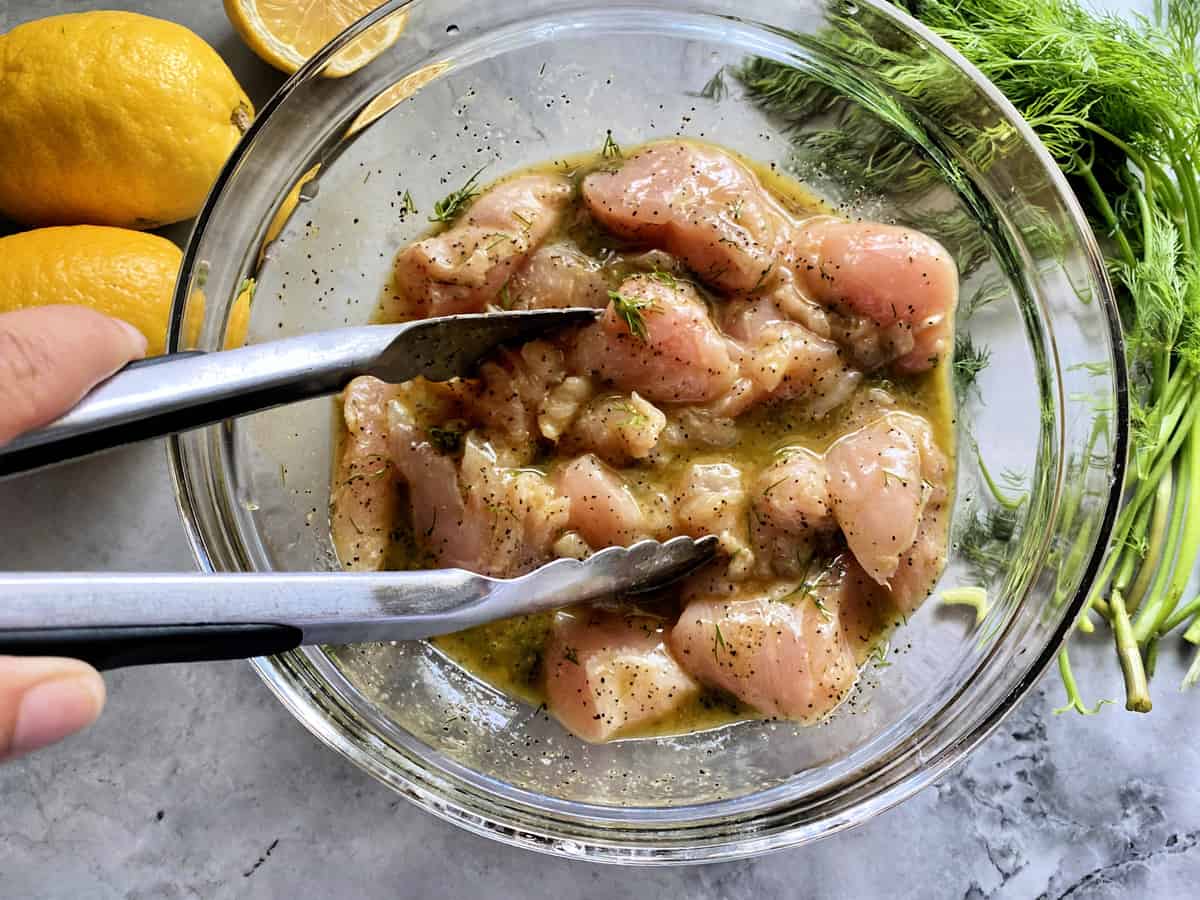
pixel 710 836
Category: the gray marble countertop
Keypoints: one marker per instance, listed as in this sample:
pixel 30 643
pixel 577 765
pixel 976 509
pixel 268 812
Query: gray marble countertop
pixel 196 783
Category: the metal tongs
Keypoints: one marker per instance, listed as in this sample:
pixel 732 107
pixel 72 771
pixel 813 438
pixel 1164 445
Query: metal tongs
pixel 114 620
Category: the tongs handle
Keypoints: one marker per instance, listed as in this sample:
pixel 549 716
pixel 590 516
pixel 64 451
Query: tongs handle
pixel 166 394
pixel 114 647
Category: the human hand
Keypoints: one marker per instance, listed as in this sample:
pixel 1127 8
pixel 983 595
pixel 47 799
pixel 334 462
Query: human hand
pixel 50 357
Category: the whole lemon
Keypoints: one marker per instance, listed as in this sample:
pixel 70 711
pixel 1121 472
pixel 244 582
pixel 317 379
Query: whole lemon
pixel 112 118
pixel 123 273
pixel 116 271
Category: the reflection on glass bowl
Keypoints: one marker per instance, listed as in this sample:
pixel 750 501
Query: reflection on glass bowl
pixel 313 205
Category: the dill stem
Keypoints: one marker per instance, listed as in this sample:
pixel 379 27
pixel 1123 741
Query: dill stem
pixel 1155 545
pixel 1147 484
pixel 1181 615
pixel 1132 550
pixel 1002 498
pixel 1189 544
pixel 1146 164
pixel 1193 672
pixel 1183 541
pixel 1192 635
pixel 1185 173
pixel 1074 700
pixel 1137 696
pixel 1156 598
pixel 1143 203
pixel 1106 210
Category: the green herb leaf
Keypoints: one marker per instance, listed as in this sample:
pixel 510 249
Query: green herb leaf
pixel 664 277
pixel 610 150
pixel 969 361
pixel 448 208
pixel 631 310
pixel 445 440
pixel 715 88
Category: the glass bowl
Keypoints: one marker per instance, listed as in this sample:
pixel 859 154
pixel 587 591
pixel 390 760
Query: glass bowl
pixel 313 205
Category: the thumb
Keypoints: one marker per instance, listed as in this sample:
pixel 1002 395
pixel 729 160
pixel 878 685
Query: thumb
pixel 43 699
pixel 50 356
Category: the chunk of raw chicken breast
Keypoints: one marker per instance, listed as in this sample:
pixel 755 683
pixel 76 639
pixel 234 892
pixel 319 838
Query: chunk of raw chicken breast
pixel 607 674
pixel 890 275
pixel 463 269
pixel 922 564
pixel 518 513
pixel 710 498
pixel 617 428
pixel 700 204
pixel 881 477
pixel 438 514
pixel 673 354
pixel 557 275
pixel 782 360
pixel 364 502
pixel 511 392
pixel 562 405
pixel 602 507
pixel 790 512
pixel 865 608
pixel 772 645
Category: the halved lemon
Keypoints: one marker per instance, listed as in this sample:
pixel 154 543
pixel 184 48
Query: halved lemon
pixel 285 33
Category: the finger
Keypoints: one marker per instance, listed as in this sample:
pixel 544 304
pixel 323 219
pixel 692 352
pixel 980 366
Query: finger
pixel 43 699
pixel 50 356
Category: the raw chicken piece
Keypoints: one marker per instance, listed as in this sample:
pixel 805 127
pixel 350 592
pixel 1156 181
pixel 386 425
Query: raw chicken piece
pixel 680 358
pixel 518 512
pixel 865 608
pixel 710 498
pixel 555 276
pixel 608 674
pixel 789 303
pixel 782 360
pixel 618 429
pixel 881 477
pixel 438 514
pixel 772 645
pixel 700 204
pixel 923 563
pixel 562 405
pixel 463 269
pixel 509 394
pixel 602 508
pixel 892 276
pixel 364 503
pixel 790 512
pixel 697 425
